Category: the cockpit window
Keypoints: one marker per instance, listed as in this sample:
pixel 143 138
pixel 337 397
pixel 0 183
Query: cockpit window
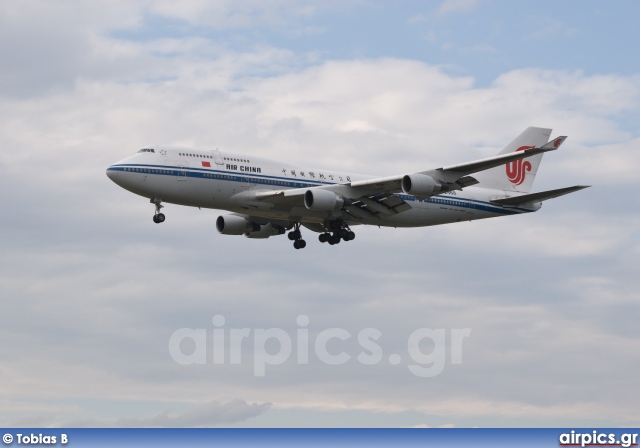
pixel 146 150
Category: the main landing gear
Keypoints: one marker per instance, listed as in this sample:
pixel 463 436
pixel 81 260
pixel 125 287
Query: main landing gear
pixel 296 237
pixel 158 217
pixel 340 231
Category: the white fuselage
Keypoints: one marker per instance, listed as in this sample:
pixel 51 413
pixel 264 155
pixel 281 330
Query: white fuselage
pixel 229 181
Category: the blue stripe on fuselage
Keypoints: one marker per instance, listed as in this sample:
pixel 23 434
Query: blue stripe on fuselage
pixel 201 173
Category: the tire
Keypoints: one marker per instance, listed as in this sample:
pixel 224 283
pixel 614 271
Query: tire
pixel 352 236
pixel 296 244
pixel 294 235
pixel 155 219
pixel 302 244
pixel 323 237
pixel 161 217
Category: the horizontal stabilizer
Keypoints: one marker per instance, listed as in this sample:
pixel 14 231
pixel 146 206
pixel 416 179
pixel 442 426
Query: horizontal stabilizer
pixel 555 143
pixel 537 197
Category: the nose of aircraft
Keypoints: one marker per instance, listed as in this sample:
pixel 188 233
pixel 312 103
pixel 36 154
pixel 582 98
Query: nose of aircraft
pixel 112 173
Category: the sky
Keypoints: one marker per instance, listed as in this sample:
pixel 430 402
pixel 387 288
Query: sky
pixel 93 292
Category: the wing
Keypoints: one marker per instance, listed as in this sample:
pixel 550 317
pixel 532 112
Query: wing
pixel 379 197
pixel 360 203
pixel 459 174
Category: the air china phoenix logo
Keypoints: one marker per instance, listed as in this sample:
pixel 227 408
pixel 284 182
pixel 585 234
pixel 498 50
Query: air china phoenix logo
pixel 517 170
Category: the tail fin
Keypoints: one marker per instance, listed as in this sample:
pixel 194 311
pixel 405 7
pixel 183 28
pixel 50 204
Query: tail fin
pixel 518 175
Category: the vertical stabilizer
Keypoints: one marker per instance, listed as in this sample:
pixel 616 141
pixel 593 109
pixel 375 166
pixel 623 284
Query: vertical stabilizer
pixel 518 175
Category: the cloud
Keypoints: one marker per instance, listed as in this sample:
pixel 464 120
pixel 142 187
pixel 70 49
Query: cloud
pixel 92 289
pixel 228 14
pixel 457 6
pixel 200 416
pixel 550 29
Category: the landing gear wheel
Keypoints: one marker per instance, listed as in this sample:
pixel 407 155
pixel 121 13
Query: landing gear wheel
pixel 158 217
pixel 324 237
pixel 339 231
pixel 294 235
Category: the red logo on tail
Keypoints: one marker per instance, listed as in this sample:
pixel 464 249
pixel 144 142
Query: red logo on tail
pixel 517 170
pixel 557 142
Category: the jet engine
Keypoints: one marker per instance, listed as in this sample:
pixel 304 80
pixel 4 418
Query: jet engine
pixel 322 200
pixel 235 225
pixel 420 185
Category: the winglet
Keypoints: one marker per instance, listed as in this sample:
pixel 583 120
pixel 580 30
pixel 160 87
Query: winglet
pixel 555 143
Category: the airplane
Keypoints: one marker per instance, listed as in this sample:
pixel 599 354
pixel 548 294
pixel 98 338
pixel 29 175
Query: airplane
pixel 268 198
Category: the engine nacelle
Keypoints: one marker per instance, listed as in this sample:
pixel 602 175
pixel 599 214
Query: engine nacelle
pixel 235 225
pixel 322 200
pixel 420 185
pixel 266 231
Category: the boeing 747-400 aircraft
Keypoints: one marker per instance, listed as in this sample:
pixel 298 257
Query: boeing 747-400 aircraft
pixel 268 198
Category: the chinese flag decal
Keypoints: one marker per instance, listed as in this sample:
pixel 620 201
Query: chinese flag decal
pixel 207 164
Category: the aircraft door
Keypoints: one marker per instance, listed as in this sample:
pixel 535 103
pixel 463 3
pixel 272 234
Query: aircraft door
pixel 182 173
pixel 217 157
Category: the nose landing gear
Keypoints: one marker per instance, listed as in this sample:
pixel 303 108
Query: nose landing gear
pixel 158 217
